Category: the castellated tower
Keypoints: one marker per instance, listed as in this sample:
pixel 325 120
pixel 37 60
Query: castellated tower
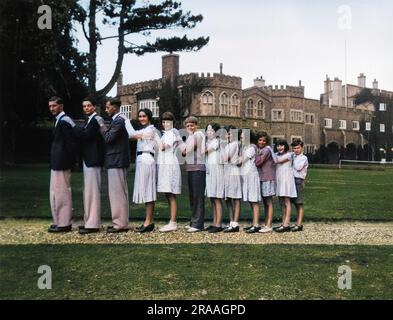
pixel 170 67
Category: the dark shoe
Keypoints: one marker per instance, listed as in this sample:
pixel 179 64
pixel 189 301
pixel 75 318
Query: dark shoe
pixel 231 229
pixel 88 230
pixel 247 228
pixel 56 229
pixel 143 228
pixel 112 229
pixel 282 229
pixel 275 228
pixel 215 229
pixel 297 228
pixel 253 229
pixel 208 228
pixel 81 227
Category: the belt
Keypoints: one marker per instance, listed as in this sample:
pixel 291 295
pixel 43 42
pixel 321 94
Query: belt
pixel 140 152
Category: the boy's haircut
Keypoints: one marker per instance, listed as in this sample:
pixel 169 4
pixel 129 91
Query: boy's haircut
pixel 297 142
pixel 115 102
pixel 90 99
pixel 191 119
pixel 215 126
pixel 56 99
pixel 253 137
pixel 264 134
pixel 284 143
pixel 148 113
pixel 167 116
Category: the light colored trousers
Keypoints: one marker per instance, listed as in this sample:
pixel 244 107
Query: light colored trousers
pixel 92 196
pixel 118 197
pixel 60 197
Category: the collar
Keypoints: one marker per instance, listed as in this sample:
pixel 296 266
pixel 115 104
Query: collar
pixel 60 115
pixel 115 116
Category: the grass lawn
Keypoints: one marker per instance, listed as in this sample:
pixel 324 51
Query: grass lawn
pixel 330 194
pixel 196 271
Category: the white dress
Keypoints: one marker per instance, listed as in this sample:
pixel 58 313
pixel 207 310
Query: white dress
pixel 232 174
pixel 214 170
pixel 251 185
pixel 145 166
pixel 168 168
pixel 284 177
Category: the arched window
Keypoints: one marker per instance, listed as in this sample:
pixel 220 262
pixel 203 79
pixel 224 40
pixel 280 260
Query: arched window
pixel 250 108
pixel 207 103
pixel 260 110
pixel 235 106
pixel 224 108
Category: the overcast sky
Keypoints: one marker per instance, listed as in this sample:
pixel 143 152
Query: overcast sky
pixel 283 41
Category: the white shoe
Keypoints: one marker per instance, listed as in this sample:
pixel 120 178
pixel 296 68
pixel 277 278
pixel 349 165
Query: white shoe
pixel 192 229
pixel 171 226
pixel 187 227
pixel 265 230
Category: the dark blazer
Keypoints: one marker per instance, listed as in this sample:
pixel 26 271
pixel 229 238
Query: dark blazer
pixel 63 148
pixel 92 143
pixel 117 148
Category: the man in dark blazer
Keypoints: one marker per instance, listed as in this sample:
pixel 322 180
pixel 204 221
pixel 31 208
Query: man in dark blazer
pixel 117 161
pixel 62 160
pixel 93 160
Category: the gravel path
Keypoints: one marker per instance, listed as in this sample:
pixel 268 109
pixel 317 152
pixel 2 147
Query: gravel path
pixel 365 233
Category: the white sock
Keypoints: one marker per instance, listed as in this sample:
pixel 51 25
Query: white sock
pixel 234 224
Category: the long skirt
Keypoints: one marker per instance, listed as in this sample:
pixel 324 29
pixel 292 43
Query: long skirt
pixel 145 179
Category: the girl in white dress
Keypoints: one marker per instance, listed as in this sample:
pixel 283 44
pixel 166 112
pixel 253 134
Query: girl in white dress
pixel 232 177
pixel 214 176
pixel 168 168
pixel 251 187
pixel 286 187
pixel 145 167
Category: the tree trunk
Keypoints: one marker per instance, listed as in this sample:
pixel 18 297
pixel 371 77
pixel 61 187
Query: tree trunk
pixel 92 59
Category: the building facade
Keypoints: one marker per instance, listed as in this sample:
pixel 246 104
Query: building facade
pixel 335 122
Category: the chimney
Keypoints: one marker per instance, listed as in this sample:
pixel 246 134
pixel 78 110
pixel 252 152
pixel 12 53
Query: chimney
pixel 362 80
pixel 170 67
pixel 375 84
pixel 300 83
pixel 221 66
pixel 327 84
pixel 120 79
pixel 259 82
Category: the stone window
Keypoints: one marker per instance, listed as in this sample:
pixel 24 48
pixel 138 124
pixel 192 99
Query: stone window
pixel 382 107
pixel 224 106
pixel 328 123
pixel 309 149
pixel 126 109
pixel 207 103
pixel 310 118
pixel 250 108
pixel 355 125
pixel 381 127
pixel 150 104
pixel 234 105
pixel 296 116
pixel 277 115
pixel 343 124
pixel 260 110
pixel 368 126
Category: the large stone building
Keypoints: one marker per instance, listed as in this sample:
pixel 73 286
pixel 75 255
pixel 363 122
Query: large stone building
pixel 334 121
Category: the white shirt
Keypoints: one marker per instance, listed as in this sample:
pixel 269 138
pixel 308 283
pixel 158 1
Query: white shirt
pixel 58 117
pixel 90 117
pixel 300 165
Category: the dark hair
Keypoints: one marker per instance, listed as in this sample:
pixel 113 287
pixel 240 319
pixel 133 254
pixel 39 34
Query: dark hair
pixel 92 100
pixel 215 126
pixel 297 142
pixel 56 99
pixel 284 143
pixel 264 134
pixel 147 112
pixel 115 102
pixel 253 137
pixel 168 116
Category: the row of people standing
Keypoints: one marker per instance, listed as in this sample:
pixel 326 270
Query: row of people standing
pixel 215 169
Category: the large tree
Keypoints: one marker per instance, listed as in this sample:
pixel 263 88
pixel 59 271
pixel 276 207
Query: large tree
pixel 129 18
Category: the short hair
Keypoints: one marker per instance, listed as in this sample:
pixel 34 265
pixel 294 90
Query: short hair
pixel 191 119
pixel 168 116
pixel 115 102
pixel 297 142
pixel 215 126
pixel 253 137
pixel 264 134
pixel 284 143
pixel 92 100
pixel 148 113
pixel 56 99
